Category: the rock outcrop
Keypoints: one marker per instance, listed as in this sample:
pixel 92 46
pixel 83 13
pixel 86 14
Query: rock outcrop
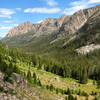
pixel 20 89
pixel 8 91
pixel 20 29
pixel 88 48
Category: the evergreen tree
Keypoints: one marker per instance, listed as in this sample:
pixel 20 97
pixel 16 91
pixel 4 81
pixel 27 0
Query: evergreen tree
pixel 83 76
pixel 29 75
pixel 57 91
pixel 35 78
pixel 51 87
pixel 70 97
pixel 66 98
pixel 68 91
pixel 39 83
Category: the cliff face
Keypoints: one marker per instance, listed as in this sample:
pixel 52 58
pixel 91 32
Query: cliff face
pixel 21 29
pixel 77 21
pixel 46 27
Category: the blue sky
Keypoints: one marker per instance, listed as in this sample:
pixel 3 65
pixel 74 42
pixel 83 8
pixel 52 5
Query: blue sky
pixel 14 12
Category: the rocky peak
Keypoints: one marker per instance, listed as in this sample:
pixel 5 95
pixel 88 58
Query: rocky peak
pixel 90 11
pixel 20 29
pixel 63 19
pixel 76 21
pixel 43 28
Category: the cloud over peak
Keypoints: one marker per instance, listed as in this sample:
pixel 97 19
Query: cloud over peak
pixel 80 4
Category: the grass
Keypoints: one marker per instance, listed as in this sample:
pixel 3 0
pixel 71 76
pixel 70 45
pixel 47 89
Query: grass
pixel 48 78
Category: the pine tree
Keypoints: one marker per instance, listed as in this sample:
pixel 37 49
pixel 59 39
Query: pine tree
pixel 66 98
pixel 98 80
pixel 29 75
pixel 39 83
pixel 51 87
pixel 57 91
pixel 68 91
pixel 83 76
pixel 47 87
pixel 70 97
pixel 35 78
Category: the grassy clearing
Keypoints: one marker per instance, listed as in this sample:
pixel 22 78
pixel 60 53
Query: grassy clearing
pixel 48 78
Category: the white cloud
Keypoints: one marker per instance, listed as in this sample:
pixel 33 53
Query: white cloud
pixel 51 2
pixel 6 12
pixel 8 21
pixel 5 28
pixel 81 4
pixel 94 1
pixel 42 10
pixel 18 9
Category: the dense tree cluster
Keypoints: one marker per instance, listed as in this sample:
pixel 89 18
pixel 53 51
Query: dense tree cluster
pixel 7 65
pixel 80 67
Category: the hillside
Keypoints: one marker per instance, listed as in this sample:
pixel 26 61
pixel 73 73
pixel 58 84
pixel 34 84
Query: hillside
pixel 14 85
pixel 59 52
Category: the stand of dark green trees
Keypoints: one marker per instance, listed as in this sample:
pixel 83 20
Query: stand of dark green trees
pixel 80 67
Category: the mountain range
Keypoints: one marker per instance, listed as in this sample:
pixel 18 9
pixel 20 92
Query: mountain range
pixel 84 23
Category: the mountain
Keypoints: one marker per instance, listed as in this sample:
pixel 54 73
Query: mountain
pixel 25 32
pixel 52 31
pixel 21 29
pixel 43 28
pixel 76 21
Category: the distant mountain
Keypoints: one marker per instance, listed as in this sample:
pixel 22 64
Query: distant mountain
pixel 27 31
pixel 77 27
pixel 43 28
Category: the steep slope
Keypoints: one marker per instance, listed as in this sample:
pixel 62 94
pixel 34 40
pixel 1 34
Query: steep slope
pixel 90 32
pixel 26 32
pixel 21 29
pixel 69 29
pixel 76 21
pixel 45 27
pixel 88 36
